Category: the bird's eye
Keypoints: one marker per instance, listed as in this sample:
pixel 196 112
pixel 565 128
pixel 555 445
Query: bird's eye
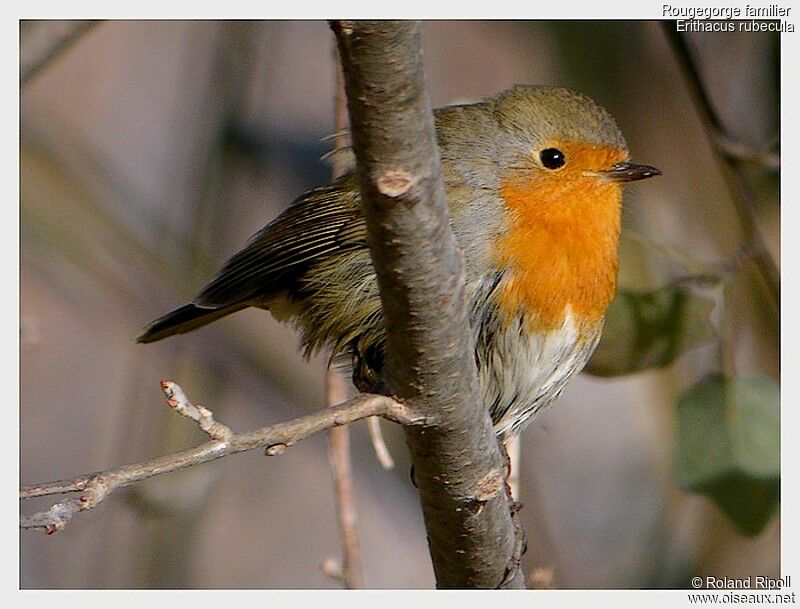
pixel 552 158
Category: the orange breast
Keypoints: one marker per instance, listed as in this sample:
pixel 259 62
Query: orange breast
pixel 560 249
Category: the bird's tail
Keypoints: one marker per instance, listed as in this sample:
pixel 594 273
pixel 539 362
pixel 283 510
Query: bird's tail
pixel 184 319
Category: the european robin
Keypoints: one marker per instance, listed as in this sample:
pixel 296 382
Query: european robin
pixel 533 180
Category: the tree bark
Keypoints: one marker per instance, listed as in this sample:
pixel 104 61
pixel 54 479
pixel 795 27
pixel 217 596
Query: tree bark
pixel 430 366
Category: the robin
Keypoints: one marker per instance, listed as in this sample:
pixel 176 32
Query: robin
pixel 533 180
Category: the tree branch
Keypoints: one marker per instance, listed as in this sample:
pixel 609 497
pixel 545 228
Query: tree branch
pixel 430 365
pixel 729 153
pixel 379 444
pixel 42 41
pixel 97 486
pixel 351 573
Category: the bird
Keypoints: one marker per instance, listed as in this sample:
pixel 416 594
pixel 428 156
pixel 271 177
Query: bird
pixel 533 181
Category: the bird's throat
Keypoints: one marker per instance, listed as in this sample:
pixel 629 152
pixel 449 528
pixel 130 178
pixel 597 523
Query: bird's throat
pixel 560 251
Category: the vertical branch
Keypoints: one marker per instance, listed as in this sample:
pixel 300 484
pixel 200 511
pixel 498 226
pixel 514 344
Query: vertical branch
pixel 352 572
pixel 430 363
pixel 339 455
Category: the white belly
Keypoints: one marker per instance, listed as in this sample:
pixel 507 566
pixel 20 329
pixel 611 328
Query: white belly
pixel 522 372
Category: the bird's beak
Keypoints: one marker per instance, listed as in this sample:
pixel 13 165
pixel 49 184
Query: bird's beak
pixel 629 172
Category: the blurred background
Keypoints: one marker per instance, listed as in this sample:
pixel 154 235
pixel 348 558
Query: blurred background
pixel 151 151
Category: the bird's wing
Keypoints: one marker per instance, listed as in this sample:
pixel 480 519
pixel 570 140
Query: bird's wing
pixel 322 222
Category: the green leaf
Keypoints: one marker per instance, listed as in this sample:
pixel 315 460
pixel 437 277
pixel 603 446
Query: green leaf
pixel 645 264
pixel 728 446
pixel 650 329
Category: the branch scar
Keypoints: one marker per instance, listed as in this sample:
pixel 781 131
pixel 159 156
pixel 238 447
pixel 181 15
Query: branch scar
pixel 394 183
pixel 489 486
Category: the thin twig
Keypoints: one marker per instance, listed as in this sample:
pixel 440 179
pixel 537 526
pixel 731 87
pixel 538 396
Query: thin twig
pixel 42 41
pixel 331 567
pixel 766 156
pixel 378 443
pixel 351 571
pixel 95 487
pixel 742 194
pixel 176 398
